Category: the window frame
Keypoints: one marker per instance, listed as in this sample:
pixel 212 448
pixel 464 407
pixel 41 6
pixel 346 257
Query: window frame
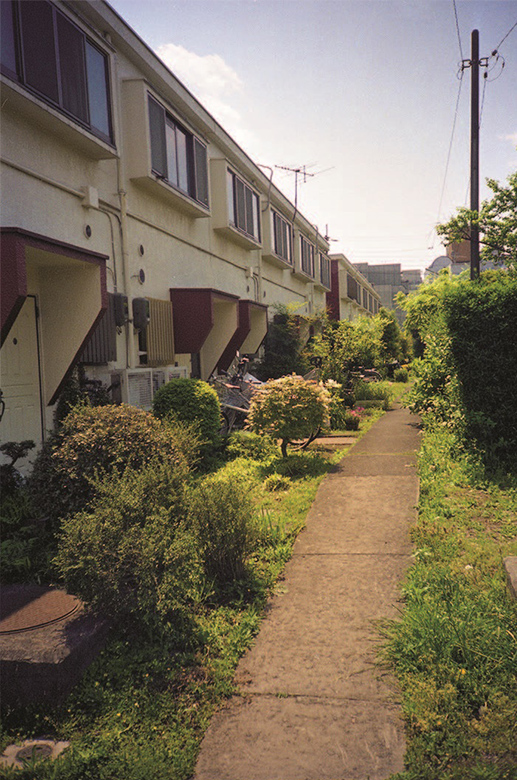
pixel 57 67
pixel 165 130
pixel 243 206
pixel 307 253
pixel 324 276
pixel 282 232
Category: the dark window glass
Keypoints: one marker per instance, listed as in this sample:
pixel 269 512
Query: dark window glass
pixel 181 146
pixel 307 257
pixel 7 37
pixel 39 51
pixel 57 60
pixel 249 212
pixel 72 69
pixel 240 216
pixel 243 207
pixel 97 77
pixel 282 237
pixel 201 172
pixel 158 142
pixel 176 155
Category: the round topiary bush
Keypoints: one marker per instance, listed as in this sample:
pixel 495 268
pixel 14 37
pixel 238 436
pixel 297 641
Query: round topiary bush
pixel 289 408
pixel 95 441
pixel 190 401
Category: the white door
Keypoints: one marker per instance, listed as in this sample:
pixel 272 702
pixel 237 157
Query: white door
pixel 20 379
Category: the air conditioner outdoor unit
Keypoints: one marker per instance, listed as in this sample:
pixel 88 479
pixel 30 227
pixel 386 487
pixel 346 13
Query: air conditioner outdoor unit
pixel 175 372
pixel 163 375
pixel 136 386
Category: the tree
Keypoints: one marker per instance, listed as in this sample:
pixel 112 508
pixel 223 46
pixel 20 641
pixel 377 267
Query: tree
pixel 288 408
pixel 497 221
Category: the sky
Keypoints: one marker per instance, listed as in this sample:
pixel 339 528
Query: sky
pixel 367 96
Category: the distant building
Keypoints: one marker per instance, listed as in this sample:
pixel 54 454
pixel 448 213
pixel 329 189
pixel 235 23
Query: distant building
pixel 389 280
pixel 351 294
pixel 456 259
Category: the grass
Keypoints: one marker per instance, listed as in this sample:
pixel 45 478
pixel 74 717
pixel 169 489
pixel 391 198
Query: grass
pixel 454 650
pixel 142 708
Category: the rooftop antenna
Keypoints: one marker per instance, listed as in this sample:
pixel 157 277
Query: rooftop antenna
pixel 301 171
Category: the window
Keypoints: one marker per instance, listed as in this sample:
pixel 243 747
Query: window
pixel 176 155
pixel 243 206
pixel 324 270
pixel 307 250
pixel 43 50
pixel 352 288
pixel 282 237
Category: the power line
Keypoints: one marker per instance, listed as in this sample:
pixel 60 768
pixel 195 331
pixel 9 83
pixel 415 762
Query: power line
pixel 450 147
pixel 457 28
pixel 503 40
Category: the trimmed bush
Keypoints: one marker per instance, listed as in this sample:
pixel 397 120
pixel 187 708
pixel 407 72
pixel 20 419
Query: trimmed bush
pixel 223 519
pixel 190 401
pixel 95 441
pixel 400 375
pixel 372 391
pixel 131 555
pixel 289 409
pixel 481 320
pixel 246 444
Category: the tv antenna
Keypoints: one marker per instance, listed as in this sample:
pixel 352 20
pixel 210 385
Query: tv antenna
pixel 301 171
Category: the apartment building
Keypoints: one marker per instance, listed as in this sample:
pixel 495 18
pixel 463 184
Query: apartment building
pixel 389 280
pixel 137 237
pixel 351 295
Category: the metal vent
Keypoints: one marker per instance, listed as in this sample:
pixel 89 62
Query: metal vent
pixel 160 333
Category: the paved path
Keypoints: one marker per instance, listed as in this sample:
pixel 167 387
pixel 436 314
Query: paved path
pixel 312 704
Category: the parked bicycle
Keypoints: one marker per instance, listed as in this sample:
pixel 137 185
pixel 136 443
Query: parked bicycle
pixel 235 388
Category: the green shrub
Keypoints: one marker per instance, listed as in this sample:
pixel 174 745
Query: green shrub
pixel 95 441
pixel 190 401
pixel 400 375
pixel 277 482
pixel 24 543
pixel 246 444
pixel 222 516
pixel 352 420
pixel 481 320
pixel 130 555
pixel 372 391
pixel 288 409
pixel 299 465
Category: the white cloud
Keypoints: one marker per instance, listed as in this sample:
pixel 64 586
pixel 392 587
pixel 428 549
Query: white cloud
pixel 209 77
pixel 215 84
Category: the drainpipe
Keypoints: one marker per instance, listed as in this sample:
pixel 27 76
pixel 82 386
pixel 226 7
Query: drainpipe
pixel 122 195
pixel 130 346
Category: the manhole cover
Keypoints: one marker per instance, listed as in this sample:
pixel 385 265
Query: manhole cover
pixel 32 750
pixel 35 751
pixel 26 607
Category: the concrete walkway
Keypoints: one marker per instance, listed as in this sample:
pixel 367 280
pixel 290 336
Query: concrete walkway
pixel 313 705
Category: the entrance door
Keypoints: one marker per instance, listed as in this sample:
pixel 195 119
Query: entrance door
pixel 20 379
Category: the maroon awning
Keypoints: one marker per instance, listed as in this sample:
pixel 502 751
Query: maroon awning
pixel 247 324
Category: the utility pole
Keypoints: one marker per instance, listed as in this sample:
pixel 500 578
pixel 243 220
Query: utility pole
pixel 474 154
pixel 474 63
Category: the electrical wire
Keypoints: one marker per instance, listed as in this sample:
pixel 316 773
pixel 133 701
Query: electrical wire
pixel 456 110
pixel 457 28
pixel 503 39
pixel 485 81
